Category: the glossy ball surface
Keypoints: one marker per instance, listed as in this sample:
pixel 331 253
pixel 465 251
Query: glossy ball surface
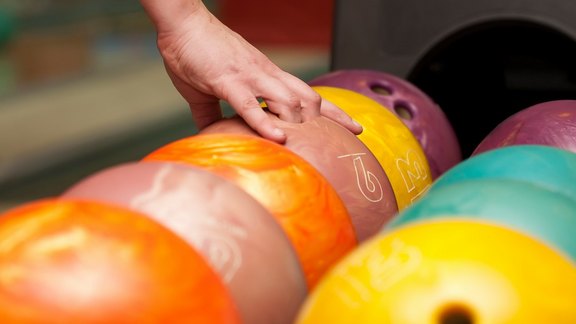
pixel 446 272
pixel 238 237
pixel 425 119
pixel 87 262
pixel 343 159
pixel 308 208
pixel 391 142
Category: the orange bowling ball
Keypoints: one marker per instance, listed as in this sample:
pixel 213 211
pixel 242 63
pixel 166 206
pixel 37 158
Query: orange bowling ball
pixel 86 262
pixel 343 159
pixel 308 208
pixel 238 237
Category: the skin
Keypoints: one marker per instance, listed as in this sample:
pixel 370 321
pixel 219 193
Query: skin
pixel 208 62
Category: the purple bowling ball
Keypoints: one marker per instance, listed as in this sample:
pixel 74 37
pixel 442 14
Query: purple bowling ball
pixel 416 109
pixel 551 123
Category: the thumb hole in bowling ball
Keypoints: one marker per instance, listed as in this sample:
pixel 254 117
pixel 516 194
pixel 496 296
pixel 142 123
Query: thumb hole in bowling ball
pixel 456 314
pixel 381 89
pixel 403 110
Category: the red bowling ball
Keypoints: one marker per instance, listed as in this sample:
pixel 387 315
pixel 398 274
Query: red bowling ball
pixel 238 237
pixel 417 110
pixel 343 159
pixel 551 123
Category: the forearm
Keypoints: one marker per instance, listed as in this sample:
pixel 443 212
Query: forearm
pixel 167 14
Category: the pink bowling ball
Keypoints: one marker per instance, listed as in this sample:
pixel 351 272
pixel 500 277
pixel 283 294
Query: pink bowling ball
pixel 416 109
pixel 344 160
pixel 550 123
pixel 241 240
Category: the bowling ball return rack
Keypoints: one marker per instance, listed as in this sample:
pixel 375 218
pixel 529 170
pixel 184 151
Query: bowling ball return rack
pixel 481 61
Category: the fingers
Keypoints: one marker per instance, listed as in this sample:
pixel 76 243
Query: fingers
pixel 309 100
pixel 255 116
pixel 331 111
pixel 280 100
pixel 291 100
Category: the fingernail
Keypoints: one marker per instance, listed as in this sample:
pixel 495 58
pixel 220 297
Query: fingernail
pixel 357 123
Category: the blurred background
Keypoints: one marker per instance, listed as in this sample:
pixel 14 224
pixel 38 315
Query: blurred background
pixel 82 86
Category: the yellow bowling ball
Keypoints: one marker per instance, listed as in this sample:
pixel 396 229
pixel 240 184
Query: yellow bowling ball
pixel 441 272
pixel 391 142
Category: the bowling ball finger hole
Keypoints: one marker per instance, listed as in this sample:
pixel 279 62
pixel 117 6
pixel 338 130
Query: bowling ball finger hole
pixel 456 314
pixel 381 89
pixel 403 110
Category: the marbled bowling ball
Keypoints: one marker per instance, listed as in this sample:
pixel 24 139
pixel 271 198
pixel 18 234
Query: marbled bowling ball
pixel 392 143
pixel 300 198
pixel 343 159
pixel 414 108
pixel 238 237
pixel 519 205
pixel 451 271
pixel 551 123
pixel 550 167
pixel 79 261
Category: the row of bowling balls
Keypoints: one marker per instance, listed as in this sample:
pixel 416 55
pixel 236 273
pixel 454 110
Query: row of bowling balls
pixel 265 221
pixel 220 227
pixel 492 241
pixel 237 229
pixel 551 123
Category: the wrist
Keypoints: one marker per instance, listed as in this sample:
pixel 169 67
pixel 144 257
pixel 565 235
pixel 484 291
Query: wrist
pixel 169 15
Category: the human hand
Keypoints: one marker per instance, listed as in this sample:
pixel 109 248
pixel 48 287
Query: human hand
pixel 207 62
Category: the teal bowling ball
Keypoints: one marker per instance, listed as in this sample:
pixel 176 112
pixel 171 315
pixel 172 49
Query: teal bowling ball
pixel 546 166
pixel 521 206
